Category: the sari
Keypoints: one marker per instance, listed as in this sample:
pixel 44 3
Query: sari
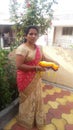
pixel 30 96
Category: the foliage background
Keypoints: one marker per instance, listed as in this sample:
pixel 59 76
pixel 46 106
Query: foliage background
pixel 31 12
pixel 8 87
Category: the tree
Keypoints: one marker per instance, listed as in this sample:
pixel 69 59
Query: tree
pixel 32 12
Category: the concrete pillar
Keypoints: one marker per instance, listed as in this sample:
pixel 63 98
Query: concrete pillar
pixel 1 42
pixel 50 36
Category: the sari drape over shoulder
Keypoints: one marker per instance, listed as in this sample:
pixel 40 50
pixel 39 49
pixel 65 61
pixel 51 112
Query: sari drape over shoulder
pixel 24 78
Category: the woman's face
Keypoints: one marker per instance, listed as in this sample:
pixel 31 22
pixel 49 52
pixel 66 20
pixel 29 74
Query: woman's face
pixel 32 36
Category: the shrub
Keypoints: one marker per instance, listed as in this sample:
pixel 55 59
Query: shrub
pixel 8 87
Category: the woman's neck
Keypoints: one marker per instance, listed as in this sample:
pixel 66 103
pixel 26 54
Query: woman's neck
pixel 31 46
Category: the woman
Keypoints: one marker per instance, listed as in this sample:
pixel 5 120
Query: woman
pixel 29 82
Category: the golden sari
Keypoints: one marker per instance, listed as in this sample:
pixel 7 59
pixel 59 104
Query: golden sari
pixel 30 92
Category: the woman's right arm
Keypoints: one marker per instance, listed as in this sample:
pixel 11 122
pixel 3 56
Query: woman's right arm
pixel 20 64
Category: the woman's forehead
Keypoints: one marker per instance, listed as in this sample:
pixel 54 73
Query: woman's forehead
pixel 32 30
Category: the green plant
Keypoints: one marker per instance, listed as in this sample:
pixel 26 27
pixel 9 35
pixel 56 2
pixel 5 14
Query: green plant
pixel 8 89
pixel 15 44
pixel 31 12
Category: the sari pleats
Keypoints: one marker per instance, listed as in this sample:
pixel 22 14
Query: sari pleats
pixel 31 105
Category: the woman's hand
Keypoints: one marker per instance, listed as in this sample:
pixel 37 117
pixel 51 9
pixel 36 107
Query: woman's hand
pixel 39 68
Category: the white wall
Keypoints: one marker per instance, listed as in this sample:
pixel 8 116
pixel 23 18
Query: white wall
pixel 64 57
pixel 50 35
pixel 58 34
pixel 61 40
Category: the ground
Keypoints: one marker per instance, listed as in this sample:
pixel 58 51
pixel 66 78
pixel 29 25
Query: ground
pixel 58 108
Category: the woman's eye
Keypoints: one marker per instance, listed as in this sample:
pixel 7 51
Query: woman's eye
pixel 32 34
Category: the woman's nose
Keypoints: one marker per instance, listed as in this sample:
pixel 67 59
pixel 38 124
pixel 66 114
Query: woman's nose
pixel 33 35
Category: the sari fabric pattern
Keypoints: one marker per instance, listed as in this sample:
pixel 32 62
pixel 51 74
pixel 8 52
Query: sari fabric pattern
pixel 31 112
pixel 30 96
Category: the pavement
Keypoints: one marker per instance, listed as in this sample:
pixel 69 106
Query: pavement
pixel 58 107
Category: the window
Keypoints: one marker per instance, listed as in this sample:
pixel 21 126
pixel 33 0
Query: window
pixel 67 31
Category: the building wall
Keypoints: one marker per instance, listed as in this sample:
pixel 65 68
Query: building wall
pixel 58 34
pixel 6 35
pixel 62 40
pixel 64 76
pixel 50 35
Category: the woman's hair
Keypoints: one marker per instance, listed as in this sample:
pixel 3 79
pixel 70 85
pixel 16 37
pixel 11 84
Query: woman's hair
pixel 26 31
